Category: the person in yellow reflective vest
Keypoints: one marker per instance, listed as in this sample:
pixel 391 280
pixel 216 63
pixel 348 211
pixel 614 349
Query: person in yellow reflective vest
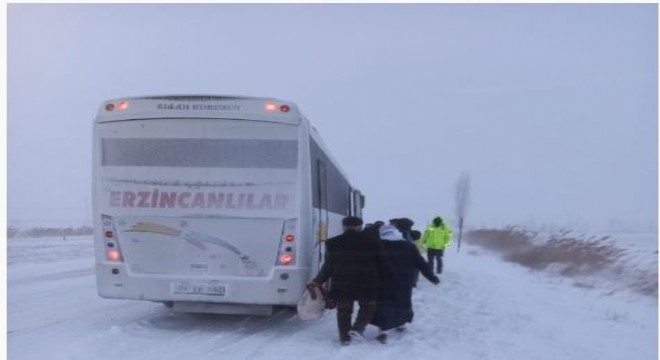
pixel 436 238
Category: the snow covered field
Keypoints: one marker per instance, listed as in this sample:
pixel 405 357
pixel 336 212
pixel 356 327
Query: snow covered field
pixel 485 308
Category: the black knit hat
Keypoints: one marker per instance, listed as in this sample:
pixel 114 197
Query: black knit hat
pixel 352 221
pixel 405 224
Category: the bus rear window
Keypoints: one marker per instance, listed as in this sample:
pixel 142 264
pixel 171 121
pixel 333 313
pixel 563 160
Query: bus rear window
pixel 222 153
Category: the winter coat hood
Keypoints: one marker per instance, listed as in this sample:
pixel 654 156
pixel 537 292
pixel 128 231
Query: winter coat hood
pixel 390 233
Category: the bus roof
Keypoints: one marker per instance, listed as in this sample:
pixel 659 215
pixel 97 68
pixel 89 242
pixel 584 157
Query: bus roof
pixel 199 106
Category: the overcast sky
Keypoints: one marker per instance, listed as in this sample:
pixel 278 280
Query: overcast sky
pixel 552 109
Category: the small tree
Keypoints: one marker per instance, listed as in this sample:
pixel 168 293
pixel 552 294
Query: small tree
pixel 462 201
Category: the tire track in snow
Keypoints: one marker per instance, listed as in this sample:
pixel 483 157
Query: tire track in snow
pixel 188 335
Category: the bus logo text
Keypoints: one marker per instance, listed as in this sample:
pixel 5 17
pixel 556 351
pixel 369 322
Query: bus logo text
pixel 208 107
pixel 198 200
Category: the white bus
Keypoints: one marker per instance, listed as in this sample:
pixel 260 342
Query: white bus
pixel 212 203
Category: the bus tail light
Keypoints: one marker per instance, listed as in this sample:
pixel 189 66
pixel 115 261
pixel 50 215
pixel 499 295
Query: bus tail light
pixel 122 105
pixel 286 259
pixel 270 107
pixel 288 246
pixel 114 255
pixel 110 241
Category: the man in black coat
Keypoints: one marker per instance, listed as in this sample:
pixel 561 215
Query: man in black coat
pixel 354 264
pixel 394 308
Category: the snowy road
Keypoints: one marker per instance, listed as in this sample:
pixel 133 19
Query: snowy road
pixel 484 309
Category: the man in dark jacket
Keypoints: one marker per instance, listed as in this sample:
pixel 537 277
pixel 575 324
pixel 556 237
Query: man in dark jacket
pixel 355 265
pixel 394 308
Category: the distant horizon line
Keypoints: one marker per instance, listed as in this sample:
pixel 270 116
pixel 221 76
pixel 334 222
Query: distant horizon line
pixel 58 224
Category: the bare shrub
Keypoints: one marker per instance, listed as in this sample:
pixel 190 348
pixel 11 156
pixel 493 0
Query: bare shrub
pixel 505 240
pixel 12 231
pixel 49 231
pixel 646 284
pixel 570 255
pixel 578 255
pixel 584 285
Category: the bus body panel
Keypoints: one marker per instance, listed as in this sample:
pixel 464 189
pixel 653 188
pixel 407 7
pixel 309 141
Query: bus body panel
pixel 199 246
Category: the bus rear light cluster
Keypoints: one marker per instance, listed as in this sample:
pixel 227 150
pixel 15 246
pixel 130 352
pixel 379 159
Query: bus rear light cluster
pixel 287 252
pixel 112 249
pixel 122 105
pixel 271 107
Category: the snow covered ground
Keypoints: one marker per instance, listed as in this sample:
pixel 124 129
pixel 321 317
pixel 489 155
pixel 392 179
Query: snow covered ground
pixel 484 309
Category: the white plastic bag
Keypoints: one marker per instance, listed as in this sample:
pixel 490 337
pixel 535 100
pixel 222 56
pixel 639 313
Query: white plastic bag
pixel 311 309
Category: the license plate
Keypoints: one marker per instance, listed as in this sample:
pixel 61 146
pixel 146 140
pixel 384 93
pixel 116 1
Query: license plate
pixel 198 289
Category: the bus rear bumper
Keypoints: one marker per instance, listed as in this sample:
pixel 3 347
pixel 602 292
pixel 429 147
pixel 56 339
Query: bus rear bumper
pixel 282 287
pixel 220 308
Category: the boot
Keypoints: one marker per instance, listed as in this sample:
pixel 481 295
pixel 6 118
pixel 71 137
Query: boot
pixel 382 336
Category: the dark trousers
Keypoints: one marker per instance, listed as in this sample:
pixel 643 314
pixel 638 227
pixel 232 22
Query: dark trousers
pixel 435 254
pixel 345 313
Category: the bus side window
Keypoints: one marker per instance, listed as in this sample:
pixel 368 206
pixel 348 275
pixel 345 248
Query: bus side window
pixel 359 203
pixel 355 202
pixel 351 203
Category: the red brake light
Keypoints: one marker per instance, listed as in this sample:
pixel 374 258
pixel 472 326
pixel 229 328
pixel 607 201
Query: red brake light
pixel 286 259
pixel 122 105
pixel 113 255
pixel 284 108
pixel 110 107
pixel 271 107
pixel 289 238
